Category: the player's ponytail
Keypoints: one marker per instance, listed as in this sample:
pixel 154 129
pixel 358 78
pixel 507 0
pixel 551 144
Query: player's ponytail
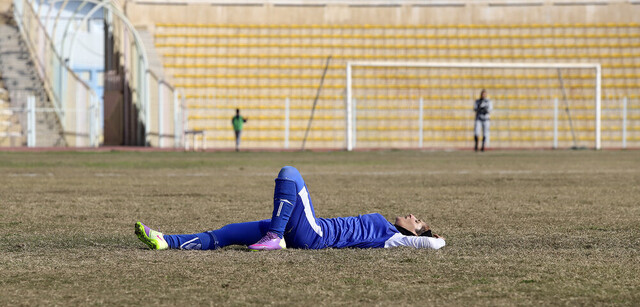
pixel 423 232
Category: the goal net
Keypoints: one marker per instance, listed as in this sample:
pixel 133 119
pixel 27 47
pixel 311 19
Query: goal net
pixel 430 105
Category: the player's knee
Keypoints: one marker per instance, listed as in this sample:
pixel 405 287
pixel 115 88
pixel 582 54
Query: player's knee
pixel 285 188
pixel 289 172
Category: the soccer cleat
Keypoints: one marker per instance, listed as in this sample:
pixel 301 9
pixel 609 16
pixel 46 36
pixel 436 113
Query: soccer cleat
pixel 269 242
pixel 153 239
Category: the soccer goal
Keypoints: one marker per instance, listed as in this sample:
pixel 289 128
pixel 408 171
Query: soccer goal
pixel 430 105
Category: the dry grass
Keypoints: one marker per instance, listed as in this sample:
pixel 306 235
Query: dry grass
pixel 552 228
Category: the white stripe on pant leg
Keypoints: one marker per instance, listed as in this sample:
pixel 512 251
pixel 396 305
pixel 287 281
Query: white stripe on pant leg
pixel 282 201
pixel 304 195
pixel 279 208
pixel 186 245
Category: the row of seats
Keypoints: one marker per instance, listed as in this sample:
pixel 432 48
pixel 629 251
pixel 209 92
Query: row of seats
pixel 395 36
pixel 389 56
pixel 369 46
pixel 282 97
pixel 401 86
pixel 503 108
pixel 420 26
pixel 405 128
pixel 409 76
pixel 443 117
pixel 333 66
pixel 432 46
pixel 415 139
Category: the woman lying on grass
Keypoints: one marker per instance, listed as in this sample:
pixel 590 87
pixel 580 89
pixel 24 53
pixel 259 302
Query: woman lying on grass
pixel 293 221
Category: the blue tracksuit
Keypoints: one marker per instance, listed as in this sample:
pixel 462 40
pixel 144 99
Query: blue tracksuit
pixel 294 219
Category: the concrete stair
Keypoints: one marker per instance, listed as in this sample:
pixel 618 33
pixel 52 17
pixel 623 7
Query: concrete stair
pixel 20 79
pixel 155 60
pixel 10 126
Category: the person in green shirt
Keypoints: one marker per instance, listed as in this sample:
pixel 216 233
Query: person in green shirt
pixel 237 122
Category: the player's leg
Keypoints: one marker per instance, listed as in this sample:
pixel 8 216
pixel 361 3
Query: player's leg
pixel 476 133
pixel 237 139
pixel 293 214
pixel 485 133
pixel 232 234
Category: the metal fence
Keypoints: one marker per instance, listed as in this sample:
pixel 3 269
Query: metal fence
pixel 32 130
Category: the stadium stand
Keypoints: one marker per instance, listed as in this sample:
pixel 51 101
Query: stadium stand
pixel 20 80
pixel 255 67
pixel 10 132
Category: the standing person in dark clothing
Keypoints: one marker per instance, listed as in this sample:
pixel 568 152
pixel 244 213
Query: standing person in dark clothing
pixel 482 107
pixel 237 122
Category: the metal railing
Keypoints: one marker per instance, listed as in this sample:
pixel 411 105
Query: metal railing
pixel 74 103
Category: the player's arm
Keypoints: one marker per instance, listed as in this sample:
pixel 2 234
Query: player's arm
pixel 435 242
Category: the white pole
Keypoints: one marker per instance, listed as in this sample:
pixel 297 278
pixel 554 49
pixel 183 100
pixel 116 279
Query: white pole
pixel 354 124
pixel 176 120
pixel 92 121
pixel 147 105
pixel 598 105
pixel 624 122
pixel 286 122
pixel 31 121
pixel 348 116
pixel 555 123
pixel 160 112
pixel 420 122
pixel 185 121
pixel 98 123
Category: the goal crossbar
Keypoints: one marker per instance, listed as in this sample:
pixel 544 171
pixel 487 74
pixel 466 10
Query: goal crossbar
pixel 349 90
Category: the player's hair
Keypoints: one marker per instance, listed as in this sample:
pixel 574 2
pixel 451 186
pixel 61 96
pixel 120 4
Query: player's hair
pixel 421 232
pixel 482 92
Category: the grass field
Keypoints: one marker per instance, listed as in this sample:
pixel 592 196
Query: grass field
pixel 536 227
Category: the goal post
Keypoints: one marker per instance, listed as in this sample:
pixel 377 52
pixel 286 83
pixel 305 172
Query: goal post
pixel 400 82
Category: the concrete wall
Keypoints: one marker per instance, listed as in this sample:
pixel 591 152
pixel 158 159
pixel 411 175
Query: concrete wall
pixel 5 5
pixel 481 12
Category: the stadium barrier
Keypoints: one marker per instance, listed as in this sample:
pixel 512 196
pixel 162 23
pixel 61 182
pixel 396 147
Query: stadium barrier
pixel 166 124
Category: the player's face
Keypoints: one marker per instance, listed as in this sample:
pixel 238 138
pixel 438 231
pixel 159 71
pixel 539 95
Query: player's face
pixel 410 222
pixel 484 95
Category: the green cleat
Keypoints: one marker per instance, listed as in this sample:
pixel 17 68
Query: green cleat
pixel 153 239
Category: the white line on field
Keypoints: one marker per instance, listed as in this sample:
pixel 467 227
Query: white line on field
pixel 460 172
pixel 29 174
pixel 107 175
pixel 361 173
